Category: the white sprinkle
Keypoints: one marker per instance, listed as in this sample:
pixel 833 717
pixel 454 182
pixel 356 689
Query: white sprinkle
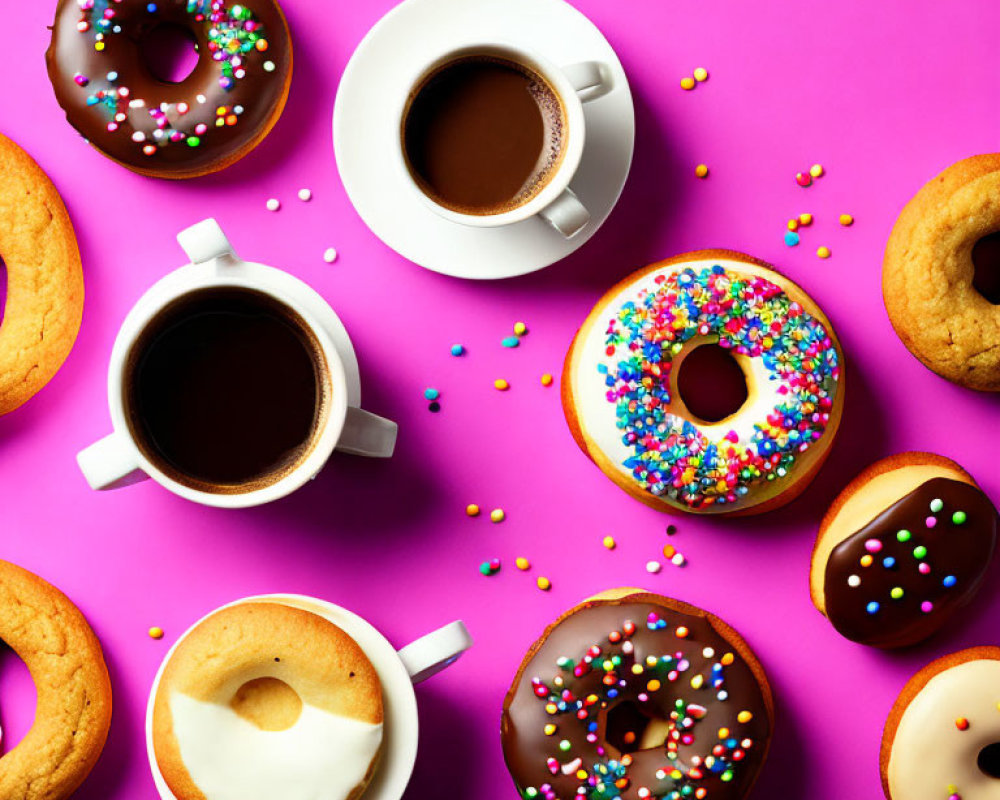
pixel 138 136
pixel 853 581
pixel 678 560
pixel 200 98
pixel 329 255
pixel 653 566
pixel 268 66
pixel 273 205
pixel 305 195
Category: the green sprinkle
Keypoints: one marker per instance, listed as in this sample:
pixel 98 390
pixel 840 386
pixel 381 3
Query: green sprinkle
pixel 958 517
pixel 937 504
pixel 903 535
pixel 193 141
pixel 920 551
pixel 564 745
pixel 511 341
pixel 896 593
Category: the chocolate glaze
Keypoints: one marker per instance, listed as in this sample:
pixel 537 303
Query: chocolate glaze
pixel 962 551
pixel 528 749
pixel 72 53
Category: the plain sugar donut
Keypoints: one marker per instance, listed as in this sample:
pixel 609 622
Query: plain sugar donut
pixel 73 706
pixel 261 691
pixel 44 279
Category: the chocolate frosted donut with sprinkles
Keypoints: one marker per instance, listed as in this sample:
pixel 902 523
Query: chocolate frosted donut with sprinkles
pixel 902 549
pixel 706 383
pixel 102 78
pixel 636 696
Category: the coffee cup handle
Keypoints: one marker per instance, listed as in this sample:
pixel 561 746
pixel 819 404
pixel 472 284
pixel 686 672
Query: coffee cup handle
pixel 590 79
pixel 110 463
pixel 436 651
pixel 367 434
pixel 566 214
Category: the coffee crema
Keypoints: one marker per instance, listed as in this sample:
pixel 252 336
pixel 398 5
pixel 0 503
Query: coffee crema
pixel 226 390
pixel 483 134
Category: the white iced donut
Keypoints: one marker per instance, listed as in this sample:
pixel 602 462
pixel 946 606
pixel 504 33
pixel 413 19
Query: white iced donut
pixel 263 701
pixel 942 738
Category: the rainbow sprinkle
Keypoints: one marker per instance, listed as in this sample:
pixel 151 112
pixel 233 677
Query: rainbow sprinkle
pixel 749 315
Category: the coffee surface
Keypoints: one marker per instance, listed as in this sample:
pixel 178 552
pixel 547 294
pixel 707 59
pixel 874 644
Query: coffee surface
pixel 483 135
pixel 224 388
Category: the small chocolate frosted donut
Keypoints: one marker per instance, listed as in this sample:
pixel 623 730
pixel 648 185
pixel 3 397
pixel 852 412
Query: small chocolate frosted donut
pixel 212 118
pixel 941 274
pixel 636 696
pixel 903 547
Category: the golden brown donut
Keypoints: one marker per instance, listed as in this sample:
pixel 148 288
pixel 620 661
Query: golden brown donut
pixel 637 696
pixel 73 706
pixel 928 274
pixel 941 740
pixel 623 385
pixel 260 691
pixel 44 278
pixel 902 549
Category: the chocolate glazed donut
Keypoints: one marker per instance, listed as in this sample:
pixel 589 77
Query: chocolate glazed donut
pixel 639 697
pixel 221 111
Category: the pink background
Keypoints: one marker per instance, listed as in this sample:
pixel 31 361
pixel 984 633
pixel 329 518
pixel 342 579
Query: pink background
pixel 884 95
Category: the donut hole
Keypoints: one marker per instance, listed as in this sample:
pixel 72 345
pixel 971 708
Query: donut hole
pixel 269 703
pixel 711 383
pixel 988 760
pixel 629 728
pixel 18 698
pixel 170 52
pixel 986 267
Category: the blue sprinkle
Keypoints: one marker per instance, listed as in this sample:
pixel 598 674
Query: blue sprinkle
pixel 112 76
pixel 950 581
pixel 872 607
pixel 511 341
pixel 151 8
pixel 431 394
pixel 457 350
pixel 888 562
pixel 791 238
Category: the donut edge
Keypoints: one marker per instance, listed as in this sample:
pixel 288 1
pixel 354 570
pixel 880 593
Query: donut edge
pixel 624 595
pixel 605 464
pixel 895 260
pixel 912 688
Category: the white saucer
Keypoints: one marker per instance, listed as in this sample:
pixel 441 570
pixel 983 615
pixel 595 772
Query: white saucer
pixel 365 132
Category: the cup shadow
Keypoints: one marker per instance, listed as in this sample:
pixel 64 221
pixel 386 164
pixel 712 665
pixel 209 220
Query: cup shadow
pixel 444 760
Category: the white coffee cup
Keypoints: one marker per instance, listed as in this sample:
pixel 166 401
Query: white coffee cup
pixel 117 460
pixel 398 671
pixel 574 85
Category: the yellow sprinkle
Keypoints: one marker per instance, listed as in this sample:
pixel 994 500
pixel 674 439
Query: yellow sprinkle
pixel 520 328
pixel 472 510
pixel 522 562
pixel 866 560
pixel 701 74
pixel 701 170
pixel 155 633
pixel 687 84
pixel 501 385
pixel 550 729
pixel 823 252
pixel 637 669
pixel 99 46
pixel 697 681
pixel 793 224
pixel 723 733
pixel 497 515
pixel 609 542
pixel 551 708
pixel 546 379
pixel 846 219
pixel 581 774
pixel 744 717
pixel 544 583
pixel 806 219
pixel 653 685
pixel 816 170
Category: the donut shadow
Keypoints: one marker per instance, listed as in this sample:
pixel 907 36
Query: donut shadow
pixel 444 759
pixel 785 772
pixel 124 748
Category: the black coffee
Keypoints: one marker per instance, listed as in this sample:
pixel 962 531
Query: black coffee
pixel 483 134
pixel 225 388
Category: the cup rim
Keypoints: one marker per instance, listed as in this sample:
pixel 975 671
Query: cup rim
pixel 197 277
pixel 404 697
pixel 575 126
